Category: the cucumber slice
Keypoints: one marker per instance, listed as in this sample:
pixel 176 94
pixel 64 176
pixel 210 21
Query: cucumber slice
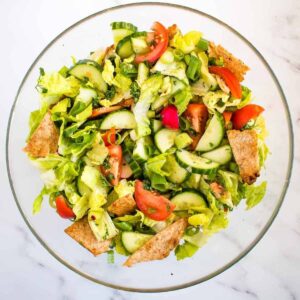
pixel 123 25
pixel 177 173
pixel 213 134
pixel 221 155
pixel 143 73
pixel 122 119
pixel 121 30
pixel 91 70
pixel 141 150
pixel 164 139
pixel 183 140
pixel 155 125
pixel 83 100
pixel 82 187
pixel 132 241
pixel 199 165
pixel 139 45
pixel 124 47
pixel 187 200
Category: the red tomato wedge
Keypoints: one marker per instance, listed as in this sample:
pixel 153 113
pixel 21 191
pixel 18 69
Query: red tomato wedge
pixel 109 137
pixel 170 117
pixel 230 80
pixel 161 38
pixel 227 116
pixel 197 115
pixel 115 164
pixel 63 209
pixel 153 205
pixel 242 116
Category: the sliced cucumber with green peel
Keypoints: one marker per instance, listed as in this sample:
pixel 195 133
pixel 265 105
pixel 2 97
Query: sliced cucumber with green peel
pixel 139 43
pixel 132 241
pixel 155 125
pixel 124 47
pixel 197 164
pixel 164 139
pixel 177 173
pixel 89 69
pixel 213 134
pixel 121 30
pixel 122 119
pixel 187 200
pixel 141 151
pixel 221 155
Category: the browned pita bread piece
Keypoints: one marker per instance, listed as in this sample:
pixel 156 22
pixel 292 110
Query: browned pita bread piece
pixel 235 65
pixel 81 232
pixel 44 139
pixel 245 151
pixel 122 206
pixel 160 245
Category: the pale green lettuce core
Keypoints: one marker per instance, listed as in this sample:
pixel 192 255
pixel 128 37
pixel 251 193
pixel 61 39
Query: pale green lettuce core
pixel 149 93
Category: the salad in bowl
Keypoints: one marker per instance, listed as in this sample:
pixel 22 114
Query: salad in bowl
pixel 149 144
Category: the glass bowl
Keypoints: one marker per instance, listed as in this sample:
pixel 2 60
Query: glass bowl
pixel 223 249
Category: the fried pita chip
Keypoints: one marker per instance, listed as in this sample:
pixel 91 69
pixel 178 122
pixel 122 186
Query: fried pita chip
pixel 81 232
pixel 122 206
pixel 235 65
pixel 44 139
pixel 160 245
pixel 245 151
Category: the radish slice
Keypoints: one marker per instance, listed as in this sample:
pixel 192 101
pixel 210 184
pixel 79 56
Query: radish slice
pixel 170 117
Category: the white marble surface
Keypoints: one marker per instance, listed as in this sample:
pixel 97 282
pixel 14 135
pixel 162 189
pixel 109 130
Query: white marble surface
pixel 270 271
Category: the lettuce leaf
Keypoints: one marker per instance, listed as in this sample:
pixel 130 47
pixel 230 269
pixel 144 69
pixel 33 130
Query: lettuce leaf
pixel 108 72
pixel 56 85
pixel 182 99
pixel 61 106
pixel 208 78
pixel 185 250
pixel 124 188
pixel 81 207
pixel 218 222
pixel 186 43
pixel 231 183
pixel 254 194
pixel 212 200
pixel 101 224
pixel 35 119
pixel 155 164
pixel 149 92
pixel 219 101
pixel 37 203
pixel 98 153
pixel 175 69
pixel 246 97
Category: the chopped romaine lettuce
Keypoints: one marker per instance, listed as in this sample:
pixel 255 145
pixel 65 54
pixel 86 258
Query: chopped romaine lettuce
pixel 185 250
pixel 254 194
pixel 124 188
pixel 186 43
pixel 219 101
pixel 149 92
pixel 55 85
pixel 101 224
pixel 98 153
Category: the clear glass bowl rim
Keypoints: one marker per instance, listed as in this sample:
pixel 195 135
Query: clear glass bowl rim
pixel 280 199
